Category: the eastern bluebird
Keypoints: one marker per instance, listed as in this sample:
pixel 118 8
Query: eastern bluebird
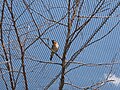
pixel 54 48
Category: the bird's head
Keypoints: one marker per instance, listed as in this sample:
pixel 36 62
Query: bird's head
pixel 53 41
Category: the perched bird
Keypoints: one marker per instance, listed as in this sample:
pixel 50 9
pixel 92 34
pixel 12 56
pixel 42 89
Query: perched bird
pixel 54 48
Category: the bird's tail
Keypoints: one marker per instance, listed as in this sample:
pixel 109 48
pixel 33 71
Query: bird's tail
pixel 51 56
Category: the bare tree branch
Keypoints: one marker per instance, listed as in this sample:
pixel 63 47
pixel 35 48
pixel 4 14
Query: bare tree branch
pixel 77 87
pixel 3 45
pixel 20 44
pixel 65 48
pixel 85 44
pixel 4 80
pixel 105 34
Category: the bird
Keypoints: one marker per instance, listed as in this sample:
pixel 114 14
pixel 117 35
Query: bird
pixel 55 47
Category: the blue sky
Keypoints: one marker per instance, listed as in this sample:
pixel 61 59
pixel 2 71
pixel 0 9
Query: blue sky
pixel 100 52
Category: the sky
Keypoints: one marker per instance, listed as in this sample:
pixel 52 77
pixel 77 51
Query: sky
pixel 103 51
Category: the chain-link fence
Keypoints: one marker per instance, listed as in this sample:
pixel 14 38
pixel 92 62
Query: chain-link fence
pixel 88 36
